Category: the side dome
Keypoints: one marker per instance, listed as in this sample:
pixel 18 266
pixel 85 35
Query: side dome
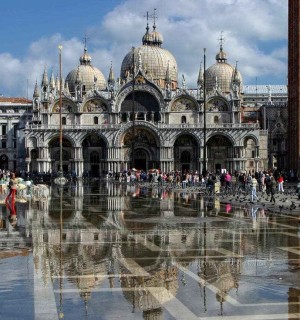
pixel 221 74
pixel 87 76
pixel 156 62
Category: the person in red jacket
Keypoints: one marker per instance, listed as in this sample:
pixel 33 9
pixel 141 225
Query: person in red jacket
pixel 280 184
pixel 12 188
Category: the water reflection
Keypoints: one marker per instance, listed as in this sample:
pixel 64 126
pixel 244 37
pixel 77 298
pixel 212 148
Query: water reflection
pixel 152 253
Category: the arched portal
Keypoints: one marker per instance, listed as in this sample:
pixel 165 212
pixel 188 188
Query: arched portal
pixel 140 149
pixel 34 154
pixel 67 155
pixel 219 154
pixel 186 153
pixel 250 154
pixel 94 155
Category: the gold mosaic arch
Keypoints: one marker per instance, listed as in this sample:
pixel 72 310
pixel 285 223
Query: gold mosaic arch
pixel 216 104
pixel 67 107
pixel 128 126
pixel 139 135
pixel 95 105
pixel 183 104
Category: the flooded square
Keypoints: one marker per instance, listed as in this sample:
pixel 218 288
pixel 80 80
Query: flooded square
pixel 105 250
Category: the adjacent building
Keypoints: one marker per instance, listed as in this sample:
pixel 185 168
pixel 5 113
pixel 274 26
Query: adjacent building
pixel 14 113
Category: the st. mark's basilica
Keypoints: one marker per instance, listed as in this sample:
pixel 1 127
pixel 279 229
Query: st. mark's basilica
pixel 148 118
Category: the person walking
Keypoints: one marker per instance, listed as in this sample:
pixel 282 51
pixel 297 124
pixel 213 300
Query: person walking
pixel 280 184
pixel 253 186
pixel 228 179
pixel 263 185
pixel 272 189
pixel 12 188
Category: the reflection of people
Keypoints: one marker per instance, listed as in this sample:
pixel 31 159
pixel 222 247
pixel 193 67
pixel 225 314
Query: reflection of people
pixel 12 188
pixel 13 214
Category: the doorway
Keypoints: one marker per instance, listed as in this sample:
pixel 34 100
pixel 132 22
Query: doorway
pixel 218 167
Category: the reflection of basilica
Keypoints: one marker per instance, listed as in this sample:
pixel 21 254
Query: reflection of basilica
pixel 151 249
pixel 111 241
pixel 144 119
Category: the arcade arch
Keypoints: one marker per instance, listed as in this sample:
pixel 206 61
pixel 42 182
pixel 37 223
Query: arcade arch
pixel 67 155
pixel 219 154
pixel 140 149
pixel 95 155
pixel 186 153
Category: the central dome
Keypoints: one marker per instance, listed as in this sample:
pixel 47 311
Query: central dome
pixel 157 63
pixel 221 74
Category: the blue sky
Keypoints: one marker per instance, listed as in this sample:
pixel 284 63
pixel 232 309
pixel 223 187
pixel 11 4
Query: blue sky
pixel 255 34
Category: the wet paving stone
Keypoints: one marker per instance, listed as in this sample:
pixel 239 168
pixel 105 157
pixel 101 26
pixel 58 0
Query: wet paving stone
pixel 112 251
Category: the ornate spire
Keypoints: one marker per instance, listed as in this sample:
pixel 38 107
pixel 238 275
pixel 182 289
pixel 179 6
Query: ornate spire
pixel 200 80
pixel 235 76
pixel 52 82
pixel 45 80
pixel 168 77
pixel 67 91
pixel 36 92
pixel 111 76
pixel 57 83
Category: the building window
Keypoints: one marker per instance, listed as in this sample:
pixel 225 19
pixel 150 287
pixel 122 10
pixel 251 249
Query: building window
pixel 183 119
pixel 3 144
pixel 64 120
pixel 95 120
pixel 216 119
pixel 4 129
pixel 15 130
pixel 140 116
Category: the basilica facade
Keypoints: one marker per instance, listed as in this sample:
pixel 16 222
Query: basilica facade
pixel 145 119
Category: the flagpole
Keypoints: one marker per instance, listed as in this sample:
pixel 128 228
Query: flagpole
pixel 204 171
pixel 60 112
pixel 60 180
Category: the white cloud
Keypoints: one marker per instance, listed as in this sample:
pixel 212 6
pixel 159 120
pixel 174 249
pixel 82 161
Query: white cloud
pixel 255 34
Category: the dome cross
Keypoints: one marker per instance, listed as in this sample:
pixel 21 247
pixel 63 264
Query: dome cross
pixel 222 40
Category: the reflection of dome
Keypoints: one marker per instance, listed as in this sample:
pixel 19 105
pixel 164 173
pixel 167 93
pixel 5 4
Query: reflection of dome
pixel 220 74
pixel 156 62
pixel 160 288
pixel 85 75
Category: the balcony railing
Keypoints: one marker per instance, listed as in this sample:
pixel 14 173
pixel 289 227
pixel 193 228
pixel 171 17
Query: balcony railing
pixel 139 122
